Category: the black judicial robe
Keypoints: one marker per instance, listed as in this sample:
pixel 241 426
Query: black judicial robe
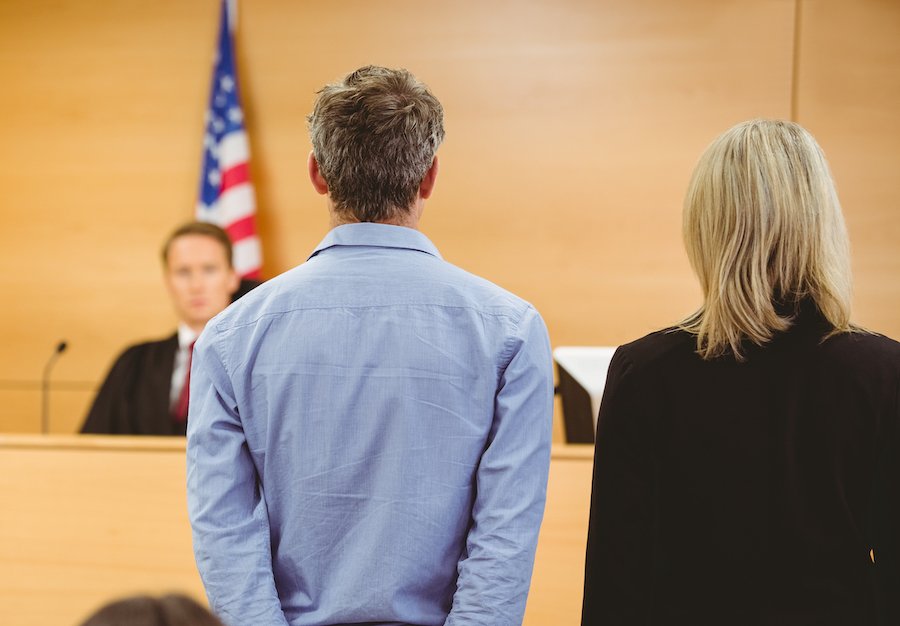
pixel 134 398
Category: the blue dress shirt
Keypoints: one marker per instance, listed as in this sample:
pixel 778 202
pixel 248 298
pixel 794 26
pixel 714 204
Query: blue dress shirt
pixel 369 441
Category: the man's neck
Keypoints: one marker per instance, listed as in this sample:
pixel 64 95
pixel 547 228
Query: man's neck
pixel 407 219
pixel 411 222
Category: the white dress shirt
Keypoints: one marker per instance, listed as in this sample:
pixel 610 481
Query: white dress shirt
pixel 186 336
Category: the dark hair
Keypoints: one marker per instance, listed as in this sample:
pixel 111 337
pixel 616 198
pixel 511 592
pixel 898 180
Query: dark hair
pixel 169 610
pixel 199 228
pixel 374 135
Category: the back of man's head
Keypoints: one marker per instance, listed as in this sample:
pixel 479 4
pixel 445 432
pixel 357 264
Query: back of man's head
pixel 374 136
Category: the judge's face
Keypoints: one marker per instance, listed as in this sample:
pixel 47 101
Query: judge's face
pixel 199 279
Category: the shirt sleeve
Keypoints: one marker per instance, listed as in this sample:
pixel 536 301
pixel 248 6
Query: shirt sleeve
pixel 226 505
pixel 619 544
pixel 511 486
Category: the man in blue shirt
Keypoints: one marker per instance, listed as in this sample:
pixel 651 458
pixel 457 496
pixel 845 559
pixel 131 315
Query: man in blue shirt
pixel 369 433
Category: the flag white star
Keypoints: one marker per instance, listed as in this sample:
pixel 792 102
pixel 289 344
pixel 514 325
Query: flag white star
pixel 227 83
pixel 235 115
pixel 214 178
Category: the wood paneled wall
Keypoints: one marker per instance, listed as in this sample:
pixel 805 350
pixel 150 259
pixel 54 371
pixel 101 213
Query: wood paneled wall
pixel 572 129
pixel 848 95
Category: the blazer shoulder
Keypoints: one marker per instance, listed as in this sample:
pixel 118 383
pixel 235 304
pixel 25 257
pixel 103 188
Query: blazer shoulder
pixel 868 341
pixel 661 346
pixel 144 349
pixel 863 350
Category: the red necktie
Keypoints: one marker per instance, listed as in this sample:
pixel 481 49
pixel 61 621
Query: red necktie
pixel 181 408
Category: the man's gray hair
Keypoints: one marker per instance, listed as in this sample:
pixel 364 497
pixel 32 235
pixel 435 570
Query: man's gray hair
pixel 374 135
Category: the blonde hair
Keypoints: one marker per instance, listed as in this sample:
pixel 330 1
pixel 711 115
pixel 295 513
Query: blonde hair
pixel 764 232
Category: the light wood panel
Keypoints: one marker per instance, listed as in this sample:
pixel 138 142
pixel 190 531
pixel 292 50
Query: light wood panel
pixel 848 91
pixel 102 121
pixel 557 584
pixel 572 129
pixel 90 519
pixel 20 408
pixel 99 517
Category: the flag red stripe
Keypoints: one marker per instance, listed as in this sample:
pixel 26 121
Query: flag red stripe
pixel 241 229
pixel 234 176
pixel 253 274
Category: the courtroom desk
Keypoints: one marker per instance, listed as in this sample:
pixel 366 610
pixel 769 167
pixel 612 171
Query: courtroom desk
pixel 557 584
pixel 87 519
pixel 90 518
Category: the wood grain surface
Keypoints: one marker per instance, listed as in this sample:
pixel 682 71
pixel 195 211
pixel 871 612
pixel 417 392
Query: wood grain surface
pixel 93 518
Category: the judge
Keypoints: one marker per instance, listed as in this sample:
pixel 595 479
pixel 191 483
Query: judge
pixel 146 390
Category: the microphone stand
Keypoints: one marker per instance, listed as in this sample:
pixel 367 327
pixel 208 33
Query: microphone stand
pixel 45 387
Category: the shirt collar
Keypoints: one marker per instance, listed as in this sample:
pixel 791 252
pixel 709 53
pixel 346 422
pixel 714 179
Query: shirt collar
pixel 186 336
pixel 377 235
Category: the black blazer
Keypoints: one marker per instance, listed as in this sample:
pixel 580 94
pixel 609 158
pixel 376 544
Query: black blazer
pixel 747 493
pixel 134 398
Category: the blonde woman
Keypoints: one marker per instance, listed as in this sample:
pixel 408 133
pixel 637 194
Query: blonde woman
pixel 746 465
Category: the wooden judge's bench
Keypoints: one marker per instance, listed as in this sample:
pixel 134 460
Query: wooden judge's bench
pixel 86 519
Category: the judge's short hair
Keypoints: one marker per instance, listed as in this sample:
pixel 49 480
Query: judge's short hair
pixel 764 232
pixel 199 228
pixel 374 135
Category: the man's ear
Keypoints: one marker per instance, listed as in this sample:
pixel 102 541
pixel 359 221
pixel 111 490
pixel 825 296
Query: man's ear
pixel 427 184
pixel 315 176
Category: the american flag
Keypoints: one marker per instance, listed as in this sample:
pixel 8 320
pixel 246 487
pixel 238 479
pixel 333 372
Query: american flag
pixel 226 194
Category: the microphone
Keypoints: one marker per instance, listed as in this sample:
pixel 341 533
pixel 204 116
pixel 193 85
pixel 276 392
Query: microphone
pixel 45 386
